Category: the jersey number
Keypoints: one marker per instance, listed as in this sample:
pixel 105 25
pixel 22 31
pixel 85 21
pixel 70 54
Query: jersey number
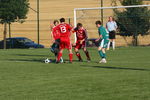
pixel 63 29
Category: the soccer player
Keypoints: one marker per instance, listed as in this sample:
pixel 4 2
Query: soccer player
pixel 55 39
pixel 81 35
pixel 65 32
pixel 104 36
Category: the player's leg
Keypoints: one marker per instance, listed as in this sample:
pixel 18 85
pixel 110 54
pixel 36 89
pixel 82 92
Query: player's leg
pixel 113 44
pixel 104 51
pixel 78 54
pixel 58 42
pixel 111 36
pixel 70 55
pixel 108 47
pixel 101 51
pixel 87 54
pixel 113 39
pixel 77 47
pixel 59 55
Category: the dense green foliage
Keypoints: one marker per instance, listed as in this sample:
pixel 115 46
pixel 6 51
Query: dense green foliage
pixel 133 21
pixel 23 76
pixel 13 10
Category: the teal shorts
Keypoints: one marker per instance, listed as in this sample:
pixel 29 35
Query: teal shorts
pixel 103 43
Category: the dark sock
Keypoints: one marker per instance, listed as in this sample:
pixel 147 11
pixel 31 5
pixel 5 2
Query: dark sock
pixel 87 55
pixel 78 55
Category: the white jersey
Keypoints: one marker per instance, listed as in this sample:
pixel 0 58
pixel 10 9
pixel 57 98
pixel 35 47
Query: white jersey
pixel 111 26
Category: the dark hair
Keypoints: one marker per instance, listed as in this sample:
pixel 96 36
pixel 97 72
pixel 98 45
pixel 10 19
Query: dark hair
pixel 55 21
pixel 79 25
pixel 62 20
pixel 98 22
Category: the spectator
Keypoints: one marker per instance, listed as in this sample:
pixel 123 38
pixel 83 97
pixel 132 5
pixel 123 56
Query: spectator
pixel 111 26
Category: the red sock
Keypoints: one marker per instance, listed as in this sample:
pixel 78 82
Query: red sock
pixel 78 55
pixel 70 57
pixel 59 56
pixel 87 54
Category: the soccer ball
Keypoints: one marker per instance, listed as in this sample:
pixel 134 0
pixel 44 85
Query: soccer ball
pixel 47 61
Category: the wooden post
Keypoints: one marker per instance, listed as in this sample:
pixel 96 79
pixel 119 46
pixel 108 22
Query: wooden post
pixel 5 33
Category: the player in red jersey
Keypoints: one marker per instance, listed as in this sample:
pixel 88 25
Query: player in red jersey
pixel 55 39
pixel 81 35
pixel 65 43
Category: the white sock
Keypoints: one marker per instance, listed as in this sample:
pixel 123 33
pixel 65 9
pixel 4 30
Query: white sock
pixel 61 59
pixel 108 45
pixel 113 45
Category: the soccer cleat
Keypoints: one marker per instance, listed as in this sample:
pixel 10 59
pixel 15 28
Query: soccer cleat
pixel 80 60
pixel 57 62
pixel 88 60
pixel 70 62
pixel 103 61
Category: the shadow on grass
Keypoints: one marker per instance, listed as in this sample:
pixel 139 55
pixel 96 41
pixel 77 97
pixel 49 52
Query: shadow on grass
pixel 30 55
pixel 26 60
pixel 37 60
pixel 117 68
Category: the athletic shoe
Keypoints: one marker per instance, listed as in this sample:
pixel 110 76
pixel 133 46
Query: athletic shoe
pixel 103 61
pixel 70 62
pixel 88 60
pixel 80 60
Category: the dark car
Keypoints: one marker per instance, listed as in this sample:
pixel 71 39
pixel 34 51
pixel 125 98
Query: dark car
pixel 92 42
pixel 19 42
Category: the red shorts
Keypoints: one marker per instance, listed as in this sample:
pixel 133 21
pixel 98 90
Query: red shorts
pixel 79 46
pixel 65 43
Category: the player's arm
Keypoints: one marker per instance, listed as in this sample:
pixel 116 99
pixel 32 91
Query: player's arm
pixel 74 30
pixel 52 37
pixel 115 25
pixel 86 35
pixel 100 35
pixel 51 26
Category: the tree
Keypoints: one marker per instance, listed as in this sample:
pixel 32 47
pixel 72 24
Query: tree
pixel 12 11
pixel 133 21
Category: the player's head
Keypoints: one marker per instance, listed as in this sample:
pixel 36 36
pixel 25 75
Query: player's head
pixel 62 20
pixel 79 25
pixel 111 18
pixel 56 22
pixel 98 23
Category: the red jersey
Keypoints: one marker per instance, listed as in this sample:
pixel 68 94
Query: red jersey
pixel 55 32
pixel 81 34
pixel 64 30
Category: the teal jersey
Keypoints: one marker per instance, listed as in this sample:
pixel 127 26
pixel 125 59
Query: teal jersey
pixel 102 31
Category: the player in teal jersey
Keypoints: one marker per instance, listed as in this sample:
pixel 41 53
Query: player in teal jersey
pixel 104 37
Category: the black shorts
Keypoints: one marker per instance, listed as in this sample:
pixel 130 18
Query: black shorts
pixel 112 35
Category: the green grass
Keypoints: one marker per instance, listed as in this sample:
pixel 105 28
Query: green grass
pixel 126 76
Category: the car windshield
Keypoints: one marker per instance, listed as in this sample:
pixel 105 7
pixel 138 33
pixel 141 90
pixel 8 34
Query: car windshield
pixel 27 40
pixel 24 40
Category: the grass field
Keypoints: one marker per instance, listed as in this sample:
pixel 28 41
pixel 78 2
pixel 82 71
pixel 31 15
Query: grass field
pixel 126 76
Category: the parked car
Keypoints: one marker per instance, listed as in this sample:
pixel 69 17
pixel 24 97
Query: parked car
pixel 92 42
pixel 20 42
